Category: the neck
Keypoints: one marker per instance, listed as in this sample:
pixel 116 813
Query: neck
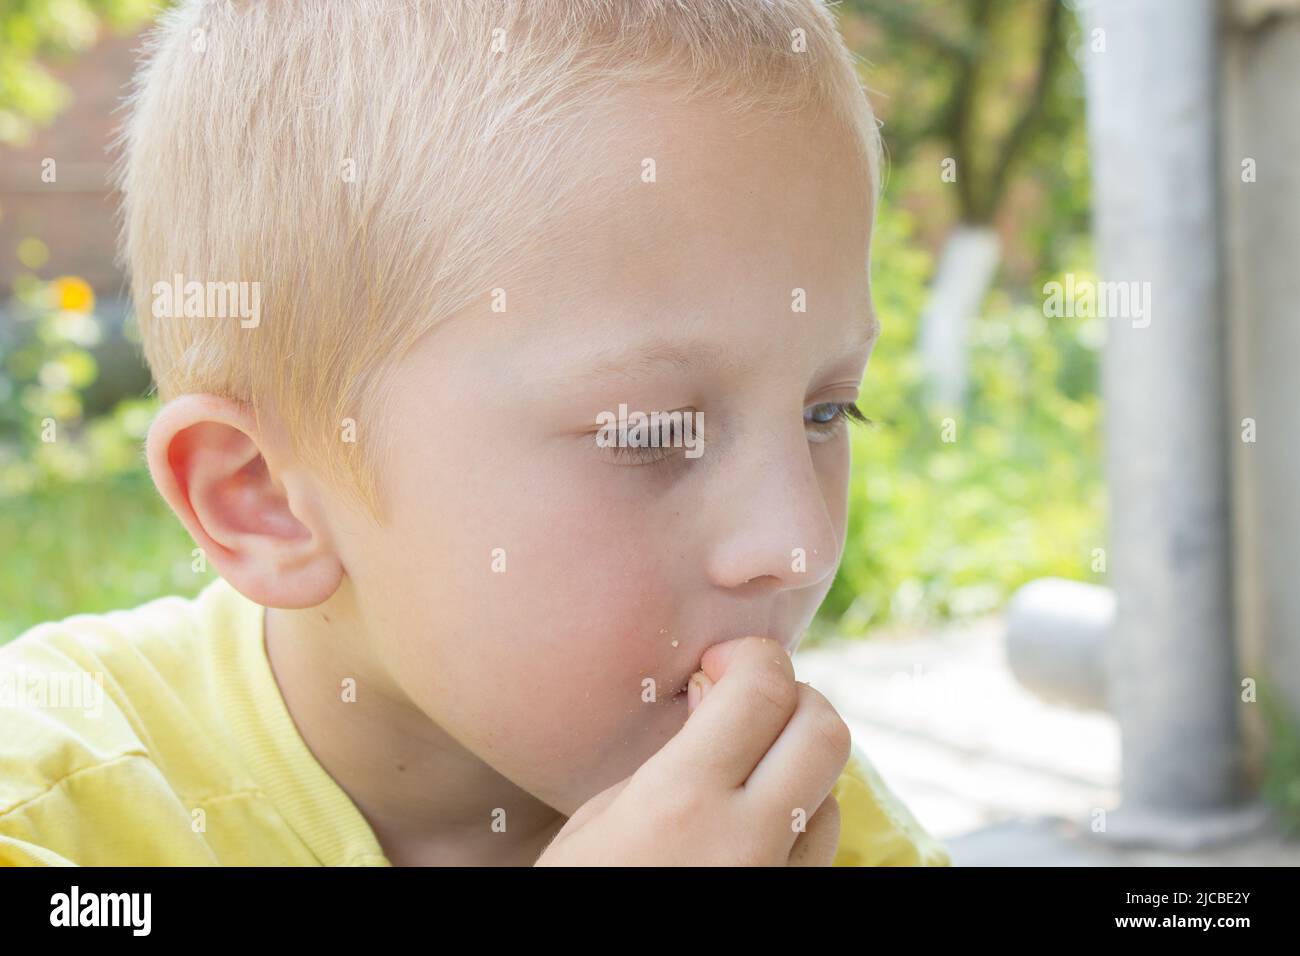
pixel 428 800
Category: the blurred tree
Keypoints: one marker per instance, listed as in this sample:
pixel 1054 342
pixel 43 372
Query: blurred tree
pixel 985 83
pixel 32 31
pixel 981 78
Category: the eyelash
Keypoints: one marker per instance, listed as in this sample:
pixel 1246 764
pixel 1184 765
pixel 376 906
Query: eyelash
pixel 844 412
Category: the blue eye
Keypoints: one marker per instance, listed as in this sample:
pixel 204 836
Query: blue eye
pixel 828 414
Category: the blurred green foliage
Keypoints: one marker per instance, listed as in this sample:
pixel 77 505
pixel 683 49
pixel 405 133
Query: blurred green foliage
pixel 89 547
pixel 985 82
pixel 1281 782
pixel 81 527
pixel 46 365
pixel 35 33
pixel 942 529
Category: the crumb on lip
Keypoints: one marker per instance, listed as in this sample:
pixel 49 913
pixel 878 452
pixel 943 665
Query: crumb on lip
pixel 686 686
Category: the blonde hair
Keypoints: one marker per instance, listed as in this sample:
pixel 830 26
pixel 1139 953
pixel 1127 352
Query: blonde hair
pixel 453 117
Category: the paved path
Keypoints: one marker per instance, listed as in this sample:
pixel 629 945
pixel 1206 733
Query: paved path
pixel 1002 777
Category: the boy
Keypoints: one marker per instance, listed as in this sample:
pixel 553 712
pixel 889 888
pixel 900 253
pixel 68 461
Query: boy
pixel 394 264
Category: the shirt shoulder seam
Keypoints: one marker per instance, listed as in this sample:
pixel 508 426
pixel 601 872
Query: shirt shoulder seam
pixel 58 782
pixel 53 785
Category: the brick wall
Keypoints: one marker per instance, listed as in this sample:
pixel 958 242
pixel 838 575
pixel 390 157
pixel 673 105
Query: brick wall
pixel 75 216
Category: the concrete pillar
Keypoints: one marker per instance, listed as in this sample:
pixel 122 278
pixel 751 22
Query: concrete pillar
pixel 1153 129
pixel 1260 177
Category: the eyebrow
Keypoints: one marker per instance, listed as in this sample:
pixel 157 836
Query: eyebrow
pixel 691 355
pixel 684 356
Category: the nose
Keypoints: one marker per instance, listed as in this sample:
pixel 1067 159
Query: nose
pixel 774 519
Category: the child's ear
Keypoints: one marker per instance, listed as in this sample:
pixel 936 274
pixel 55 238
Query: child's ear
pixel 205 459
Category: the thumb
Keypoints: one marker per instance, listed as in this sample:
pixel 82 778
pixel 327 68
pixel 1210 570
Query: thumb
pixel 699 685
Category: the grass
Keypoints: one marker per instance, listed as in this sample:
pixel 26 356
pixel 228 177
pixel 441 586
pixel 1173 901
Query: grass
pixel 90 547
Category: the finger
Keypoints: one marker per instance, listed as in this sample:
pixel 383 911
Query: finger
pixel 816 846
pixel 719 658
pixel 696 690
pixel 752 698
pixel 801 767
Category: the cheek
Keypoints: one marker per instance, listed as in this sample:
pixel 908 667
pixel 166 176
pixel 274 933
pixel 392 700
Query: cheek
pixel 578 622
pixel 833 463
pixel 532 613
pixel 558 661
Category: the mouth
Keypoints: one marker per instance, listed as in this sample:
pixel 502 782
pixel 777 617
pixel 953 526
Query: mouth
pixel 787 643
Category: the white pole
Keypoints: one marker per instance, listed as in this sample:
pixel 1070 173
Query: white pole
pixel 1151 82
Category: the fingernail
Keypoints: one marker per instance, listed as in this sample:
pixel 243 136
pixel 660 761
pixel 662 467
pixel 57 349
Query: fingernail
pixel 694 693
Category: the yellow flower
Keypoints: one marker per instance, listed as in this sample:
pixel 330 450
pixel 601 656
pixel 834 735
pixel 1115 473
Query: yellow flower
pixel 74 294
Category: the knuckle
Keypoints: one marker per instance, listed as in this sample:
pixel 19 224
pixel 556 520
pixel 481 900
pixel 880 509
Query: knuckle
pixel 767 649
pixel 836 732
pixel 771 683
pixel 829 725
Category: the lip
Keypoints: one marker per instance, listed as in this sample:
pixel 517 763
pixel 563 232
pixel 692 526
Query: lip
pixel 685 685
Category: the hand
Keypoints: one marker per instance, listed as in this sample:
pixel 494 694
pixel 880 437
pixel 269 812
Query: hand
pixel 757 748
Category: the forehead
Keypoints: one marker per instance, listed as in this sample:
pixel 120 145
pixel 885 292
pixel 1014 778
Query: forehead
pixel 684 190
pixel 696 225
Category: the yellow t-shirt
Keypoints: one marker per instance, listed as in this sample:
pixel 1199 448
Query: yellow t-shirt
pixel 157 736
